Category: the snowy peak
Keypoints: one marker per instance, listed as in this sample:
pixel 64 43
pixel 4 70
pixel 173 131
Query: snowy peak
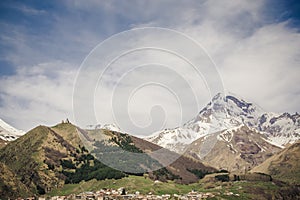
pixel 295 118
pixel 221 113
pixel 280 128
pixel 244 106
pixel 9 133
pixel 227 113
pixel 111 127
pixel 234 106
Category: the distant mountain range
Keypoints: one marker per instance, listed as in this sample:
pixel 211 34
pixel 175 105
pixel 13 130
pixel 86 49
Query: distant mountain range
pixel 226 113
pixel 229 134
pixel 232 134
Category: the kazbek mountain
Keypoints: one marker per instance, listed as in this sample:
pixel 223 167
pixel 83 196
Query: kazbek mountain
pixel 229 112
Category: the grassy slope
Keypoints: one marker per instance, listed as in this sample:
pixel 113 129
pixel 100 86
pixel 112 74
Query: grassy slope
pixel 69 133
pixel 26 155
pixel 177 170
pixel 245 190
pixel 132 184
pixel 180 166
pixel 284 166
pixel 23 155
pixel 10 185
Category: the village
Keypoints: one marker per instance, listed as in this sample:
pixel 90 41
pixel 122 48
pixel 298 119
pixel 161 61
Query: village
pixel 121 194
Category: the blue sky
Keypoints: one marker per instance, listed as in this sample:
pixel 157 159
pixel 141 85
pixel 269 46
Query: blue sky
pixel 255 44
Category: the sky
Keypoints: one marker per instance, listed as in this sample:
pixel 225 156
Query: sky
pixel 144 65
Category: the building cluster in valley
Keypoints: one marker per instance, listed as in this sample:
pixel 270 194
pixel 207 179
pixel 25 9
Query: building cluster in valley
pixel 120 194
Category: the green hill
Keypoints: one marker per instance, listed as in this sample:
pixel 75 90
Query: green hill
pixel 47 158
pixel 10 184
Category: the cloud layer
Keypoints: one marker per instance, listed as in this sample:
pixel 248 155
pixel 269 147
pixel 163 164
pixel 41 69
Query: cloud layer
pixel 255 52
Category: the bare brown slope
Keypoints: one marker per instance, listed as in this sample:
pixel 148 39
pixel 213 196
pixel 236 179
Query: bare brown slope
pixel 285 165
pixel 179 167
pixel 234 150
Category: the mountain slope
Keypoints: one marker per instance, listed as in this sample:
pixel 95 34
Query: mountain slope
pixel 10 185
pixel 176 139
pixel 180 166
pixel 47 158
pixel 236 150
pixel 285 165
pixel 141 156
pixel 31 156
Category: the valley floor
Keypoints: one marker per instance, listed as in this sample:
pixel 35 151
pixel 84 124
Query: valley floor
pixel 141 188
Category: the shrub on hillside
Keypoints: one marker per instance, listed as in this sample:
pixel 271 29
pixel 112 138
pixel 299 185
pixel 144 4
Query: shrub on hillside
pixel 223 177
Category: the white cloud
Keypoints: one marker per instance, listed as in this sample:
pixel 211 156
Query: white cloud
pixel 27 9
pixel 31 11
pixel 257 59
pixel 41 94
pixel 265 68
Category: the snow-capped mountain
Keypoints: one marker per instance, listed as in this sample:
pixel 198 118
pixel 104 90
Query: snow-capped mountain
pixel 227 112
pixel 281 129
pixel 9 133
pixel 175 139
pixel 224 113
pixel 111 127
